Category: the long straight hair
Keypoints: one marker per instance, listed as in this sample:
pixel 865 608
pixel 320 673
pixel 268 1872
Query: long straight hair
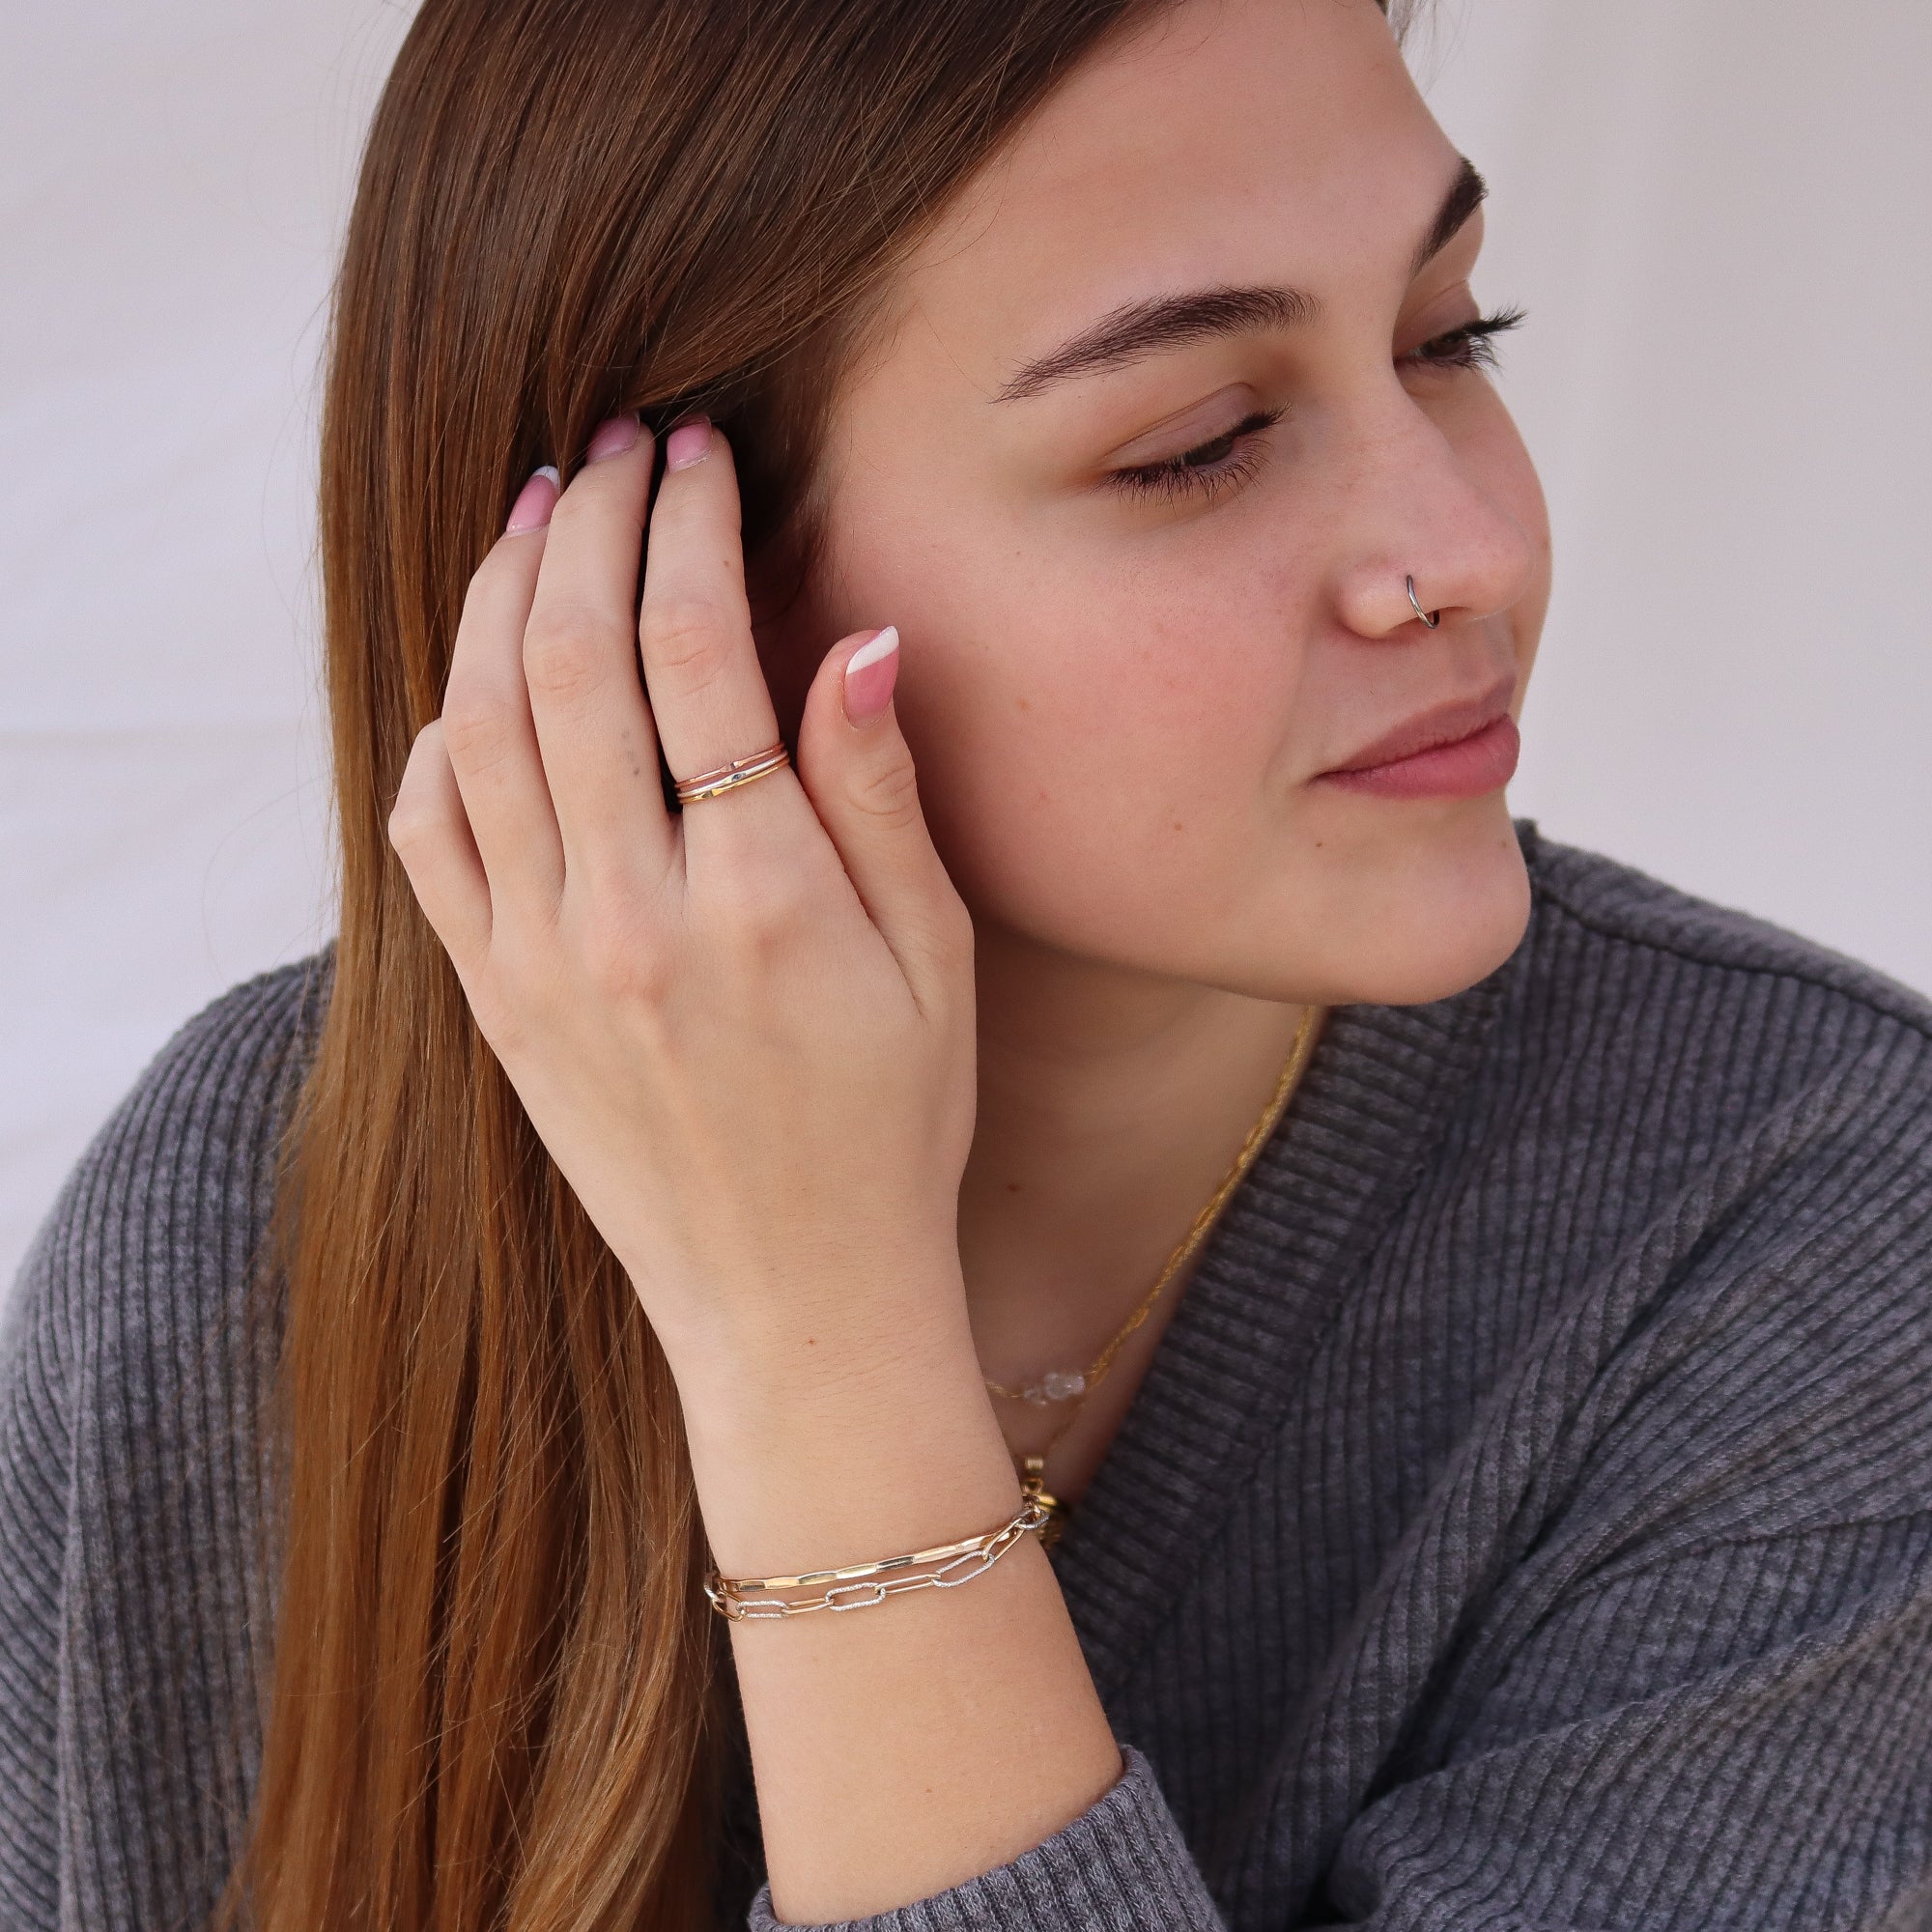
pixel 497 1696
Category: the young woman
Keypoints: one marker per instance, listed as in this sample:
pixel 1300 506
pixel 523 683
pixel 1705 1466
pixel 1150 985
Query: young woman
pixel 1358 1366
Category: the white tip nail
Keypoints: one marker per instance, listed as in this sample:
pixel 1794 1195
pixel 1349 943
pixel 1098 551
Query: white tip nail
pixel 549 470
pixel 883 646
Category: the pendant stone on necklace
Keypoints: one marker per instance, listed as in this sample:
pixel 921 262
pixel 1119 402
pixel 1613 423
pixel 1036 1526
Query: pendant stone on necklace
pixel 1059 1385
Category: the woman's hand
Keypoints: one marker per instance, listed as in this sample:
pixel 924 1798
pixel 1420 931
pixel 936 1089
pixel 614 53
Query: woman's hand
pixel 745 1032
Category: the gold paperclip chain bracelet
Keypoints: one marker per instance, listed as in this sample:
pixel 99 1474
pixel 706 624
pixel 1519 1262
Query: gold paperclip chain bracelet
pixel 856 1586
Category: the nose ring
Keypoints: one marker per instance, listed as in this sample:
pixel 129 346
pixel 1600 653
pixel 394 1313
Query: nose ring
pixel 1416 604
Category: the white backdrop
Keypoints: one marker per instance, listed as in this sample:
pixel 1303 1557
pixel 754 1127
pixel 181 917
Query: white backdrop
pixel 1716 215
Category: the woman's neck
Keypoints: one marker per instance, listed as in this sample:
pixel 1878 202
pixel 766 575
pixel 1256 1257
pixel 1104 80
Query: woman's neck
pixel 1111 1107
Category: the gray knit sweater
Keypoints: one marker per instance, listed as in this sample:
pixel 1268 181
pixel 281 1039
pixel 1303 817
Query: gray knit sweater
pixel 1525 1522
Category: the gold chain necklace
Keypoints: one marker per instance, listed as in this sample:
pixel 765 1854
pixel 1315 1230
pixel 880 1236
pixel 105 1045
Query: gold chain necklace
pixel 1058 1385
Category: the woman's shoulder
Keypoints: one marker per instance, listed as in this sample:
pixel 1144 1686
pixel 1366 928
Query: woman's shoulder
pixel 153 1234
pixel 179 1174
pixel 1720 1133
pixel 1707 1054
pixel 1661 1014
pixel 1671 1283
pixel 1591 911
pixel 128 1511
pixel 147 1251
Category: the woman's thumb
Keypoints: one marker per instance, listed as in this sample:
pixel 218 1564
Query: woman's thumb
pixel 859 779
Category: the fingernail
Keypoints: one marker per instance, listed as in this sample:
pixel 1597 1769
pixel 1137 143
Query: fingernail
pixel 690 442
pixel 536 500
pixel 613 438
pixel 870 673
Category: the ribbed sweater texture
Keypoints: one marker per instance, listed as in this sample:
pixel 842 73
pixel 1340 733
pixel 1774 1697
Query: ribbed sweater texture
pixel 1526 1522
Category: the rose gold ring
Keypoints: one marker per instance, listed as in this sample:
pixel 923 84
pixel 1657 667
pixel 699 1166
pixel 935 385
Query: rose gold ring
pixel 740 771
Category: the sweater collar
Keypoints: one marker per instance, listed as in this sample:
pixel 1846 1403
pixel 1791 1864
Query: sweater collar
pixel 1291 1243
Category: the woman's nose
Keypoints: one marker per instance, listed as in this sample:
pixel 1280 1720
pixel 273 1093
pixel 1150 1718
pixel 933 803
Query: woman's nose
pixel 1431 542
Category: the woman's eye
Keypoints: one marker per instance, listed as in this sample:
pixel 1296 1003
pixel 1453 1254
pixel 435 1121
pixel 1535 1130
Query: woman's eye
pixel 1211 466
pixel 1203 469
pixel 1472 346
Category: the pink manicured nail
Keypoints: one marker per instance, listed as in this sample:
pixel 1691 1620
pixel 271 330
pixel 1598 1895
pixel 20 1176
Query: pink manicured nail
pixel 536 500
pixel 689 444
pixel 870 673
pixel 613 438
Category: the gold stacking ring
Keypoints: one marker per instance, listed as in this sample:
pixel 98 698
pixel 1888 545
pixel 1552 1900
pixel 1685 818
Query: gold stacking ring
pixel 740 771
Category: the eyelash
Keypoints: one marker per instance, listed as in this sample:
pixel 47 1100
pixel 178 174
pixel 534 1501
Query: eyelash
pixel 1176 476
pixel 1472 346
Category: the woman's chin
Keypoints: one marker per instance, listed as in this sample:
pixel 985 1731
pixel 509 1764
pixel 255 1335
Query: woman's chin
pixel 1425 918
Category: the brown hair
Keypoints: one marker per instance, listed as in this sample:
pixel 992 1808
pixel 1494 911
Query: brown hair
pixel 497 1697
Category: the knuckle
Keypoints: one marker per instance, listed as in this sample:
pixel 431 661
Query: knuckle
pixel 474 729
pixel 888 793
pixel 418 815
pixel 564 654
pixel 409 824
pixel 684 636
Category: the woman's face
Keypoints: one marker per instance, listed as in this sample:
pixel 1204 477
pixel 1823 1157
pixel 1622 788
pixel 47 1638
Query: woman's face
pixel 1121 700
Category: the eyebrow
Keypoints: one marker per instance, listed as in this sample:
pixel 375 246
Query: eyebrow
pixel 1127 333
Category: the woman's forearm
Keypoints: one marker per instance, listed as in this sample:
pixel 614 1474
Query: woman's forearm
pixel 911 1744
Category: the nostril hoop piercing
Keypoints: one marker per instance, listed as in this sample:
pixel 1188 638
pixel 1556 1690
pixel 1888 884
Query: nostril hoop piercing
pixel 1416 604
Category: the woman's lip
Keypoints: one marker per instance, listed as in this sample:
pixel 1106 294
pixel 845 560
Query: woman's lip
pixel 1440 725
pixel 1484 761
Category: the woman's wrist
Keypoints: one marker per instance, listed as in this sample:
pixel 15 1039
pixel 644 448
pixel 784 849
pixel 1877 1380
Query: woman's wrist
pixel 829 1443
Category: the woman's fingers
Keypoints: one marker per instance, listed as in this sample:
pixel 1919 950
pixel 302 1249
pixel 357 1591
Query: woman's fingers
pixel 708 691
pixel 580 659
pixel 430 830
pixel 487 728
pixel 549 736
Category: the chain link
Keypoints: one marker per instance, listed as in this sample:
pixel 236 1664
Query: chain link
pixel 863 1587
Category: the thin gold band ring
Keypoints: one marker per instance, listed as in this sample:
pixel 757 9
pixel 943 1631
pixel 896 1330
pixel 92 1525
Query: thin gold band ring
pixel 740 771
